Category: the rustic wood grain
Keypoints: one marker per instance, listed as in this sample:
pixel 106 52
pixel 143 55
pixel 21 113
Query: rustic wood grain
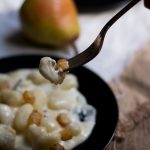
pixel 132 89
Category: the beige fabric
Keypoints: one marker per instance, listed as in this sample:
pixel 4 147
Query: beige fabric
pixel 132 89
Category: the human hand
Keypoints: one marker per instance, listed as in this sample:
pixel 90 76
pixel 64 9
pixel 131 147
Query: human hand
pixel 147 3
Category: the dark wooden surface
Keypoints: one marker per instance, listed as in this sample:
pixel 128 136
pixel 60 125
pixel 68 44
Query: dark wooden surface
pixel 132 89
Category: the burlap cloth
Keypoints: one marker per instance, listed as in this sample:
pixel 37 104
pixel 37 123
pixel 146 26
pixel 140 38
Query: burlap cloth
pixel 132 89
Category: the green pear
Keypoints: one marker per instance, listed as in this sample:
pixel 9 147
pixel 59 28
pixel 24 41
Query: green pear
pixel 50 22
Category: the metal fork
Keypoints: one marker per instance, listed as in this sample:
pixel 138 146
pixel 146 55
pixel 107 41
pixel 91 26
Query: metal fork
pixel 96 46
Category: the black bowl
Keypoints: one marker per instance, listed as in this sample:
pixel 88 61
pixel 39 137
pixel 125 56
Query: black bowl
pixel 95 90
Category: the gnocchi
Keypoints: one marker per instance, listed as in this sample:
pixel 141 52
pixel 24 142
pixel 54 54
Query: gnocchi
pixel 6 115
pixel 22 116
pixel 38 115
pixel 7 137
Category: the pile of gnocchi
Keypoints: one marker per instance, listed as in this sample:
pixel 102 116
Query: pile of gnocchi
pixel 38 115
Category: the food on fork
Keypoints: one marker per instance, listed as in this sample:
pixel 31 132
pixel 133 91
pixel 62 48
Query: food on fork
pixel 38 115
pixel 52 71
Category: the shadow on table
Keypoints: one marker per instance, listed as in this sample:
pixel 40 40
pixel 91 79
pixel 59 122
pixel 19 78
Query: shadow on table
pixel 12 39
pixel 17 38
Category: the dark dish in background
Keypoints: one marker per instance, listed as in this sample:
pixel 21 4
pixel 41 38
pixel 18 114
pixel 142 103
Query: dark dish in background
pixel 97 5
pixel 95 90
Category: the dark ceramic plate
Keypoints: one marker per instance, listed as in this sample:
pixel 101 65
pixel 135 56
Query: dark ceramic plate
pixel 96 91
pixel 96 2
pixel 97 5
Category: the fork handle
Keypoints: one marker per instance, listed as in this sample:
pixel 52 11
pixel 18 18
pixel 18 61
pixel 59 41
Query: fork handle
pixel 117 16
pixel 95 47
